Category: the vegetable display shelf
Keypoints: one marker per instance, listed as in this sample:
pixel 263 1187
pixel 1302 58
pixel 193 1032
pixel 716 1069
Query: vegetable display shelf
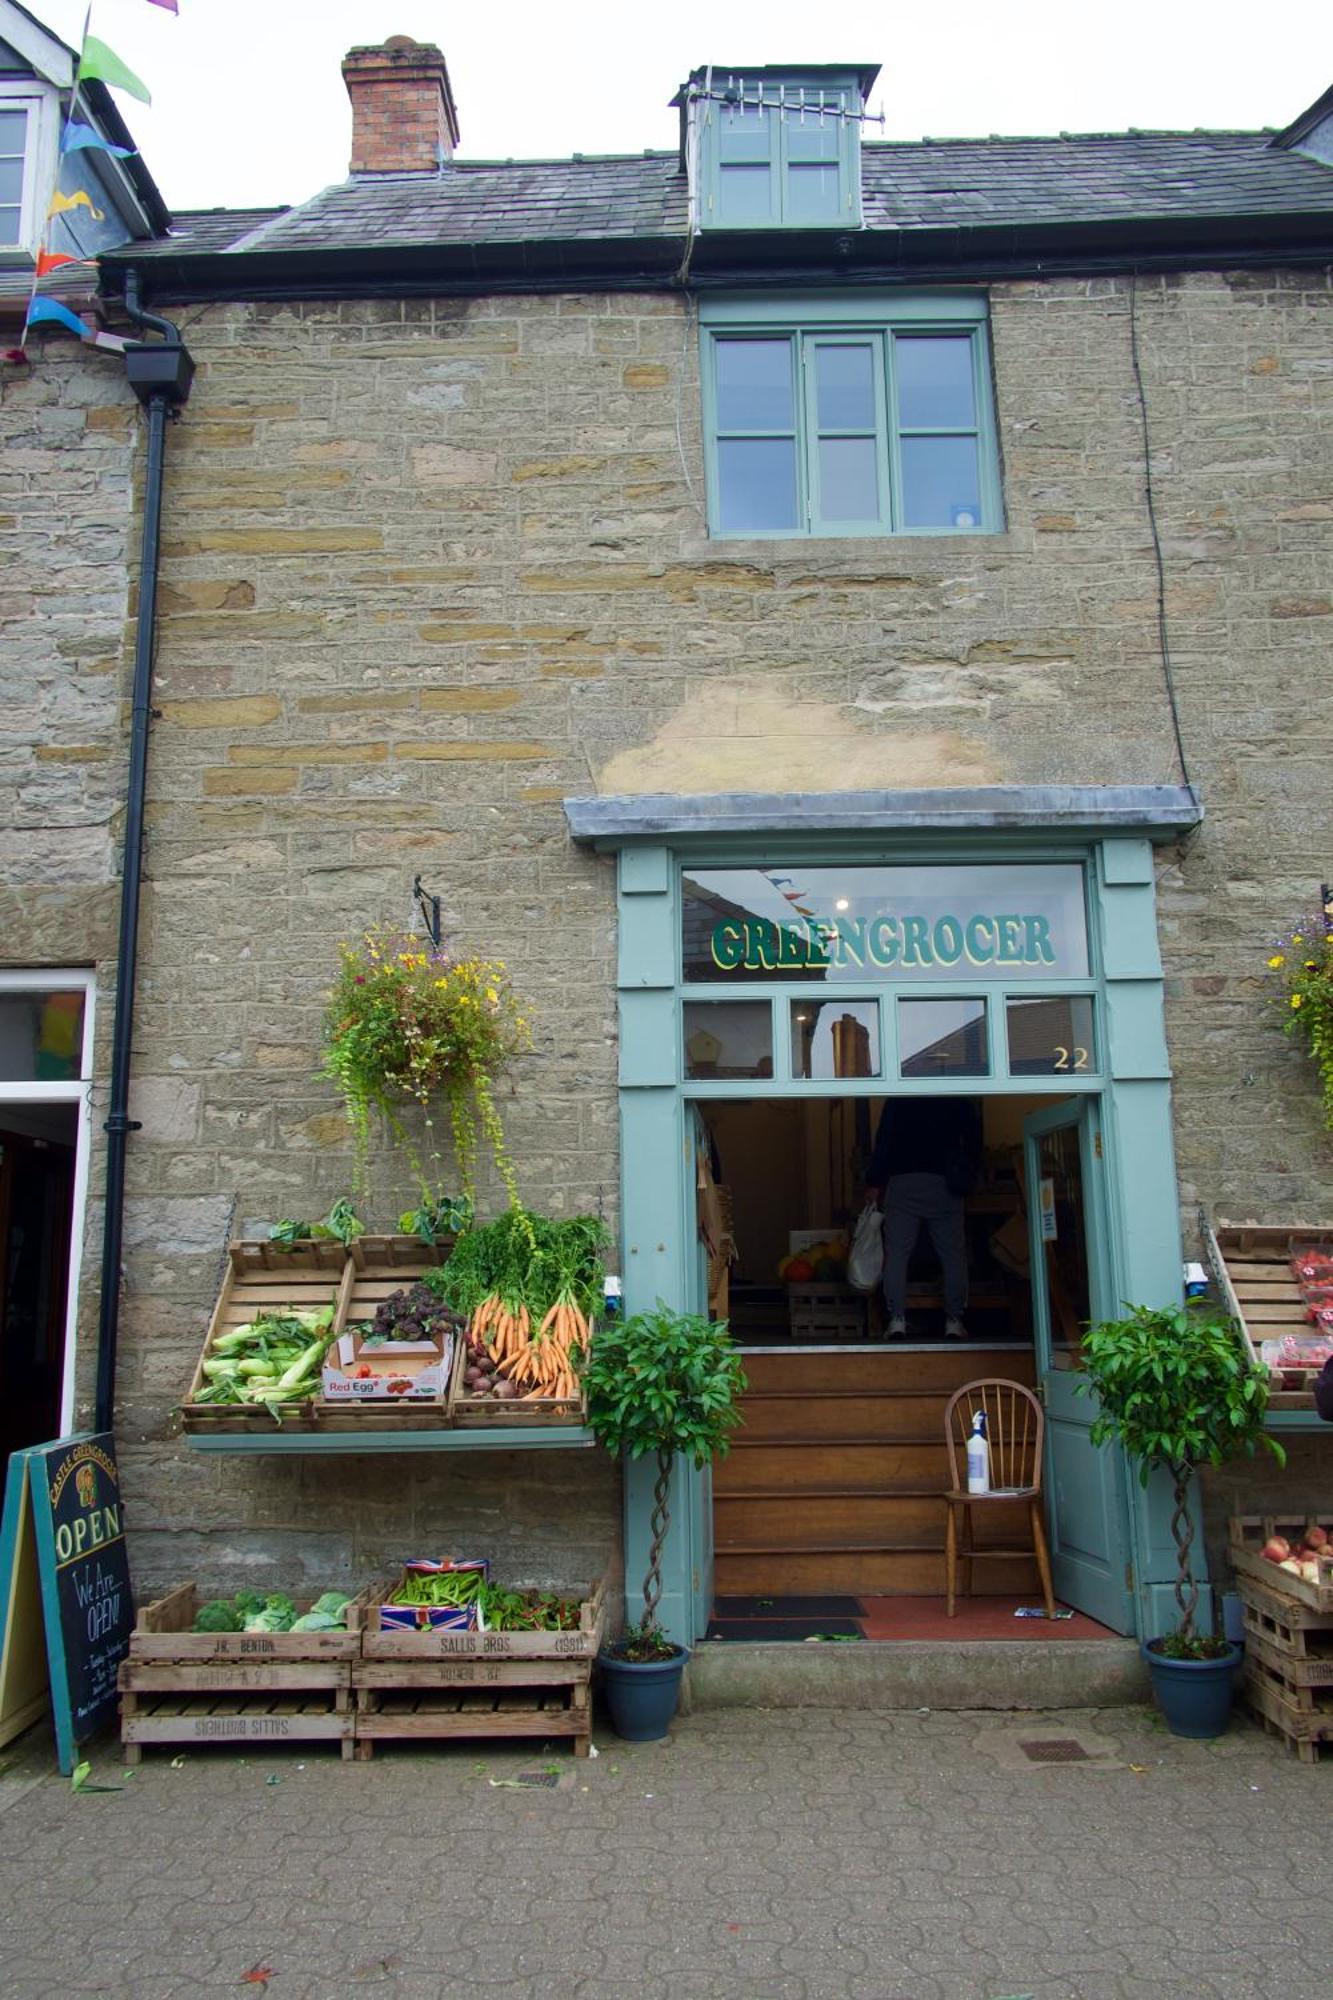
pixel 314 1275
pixel 181 1686
pixel 1251 1269
pixel 445 1684
pixel 275 1442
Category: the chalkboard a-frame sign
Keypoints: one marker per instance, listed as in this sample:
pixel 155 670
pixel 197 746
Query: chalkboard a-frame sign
pixel 63 1564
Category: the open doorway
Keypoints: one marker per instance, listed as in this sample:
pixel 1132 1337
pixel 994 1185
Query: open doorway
pixel 794 1173
pixel 38 1145
pixel 46 1035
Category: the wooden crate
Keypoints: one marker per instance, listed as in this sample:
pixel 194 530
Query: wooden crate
pixel 408 1254
pixel 826 1311
pixel 521 1647
pixel 265 1277
pixel 1293 1669
pixel 1312 1744
pixel 378 1267
pixel 468 1414
pixel 1284 1622
pixel 1251 1267
pixel 190 1717
pixel 1249 1532
pixel 163 1634
pixel 483 1699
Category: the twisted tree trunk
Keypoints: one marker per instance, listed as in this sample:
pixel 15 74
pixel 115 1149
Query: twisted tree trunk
pixel 1182 1532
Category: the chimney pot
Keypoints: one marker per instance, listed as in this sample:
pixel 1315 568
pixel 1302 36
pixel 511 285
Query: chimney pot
pixel 403 115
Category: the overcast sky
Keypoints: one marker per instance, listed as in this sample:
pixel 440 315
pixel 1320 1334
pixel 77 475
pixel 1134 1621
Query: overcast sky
pixel 249 107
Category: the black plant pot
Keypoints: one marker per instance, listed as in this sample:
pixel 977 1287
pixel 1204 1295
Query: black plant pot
pixel 642 1694
pixel 1194 1695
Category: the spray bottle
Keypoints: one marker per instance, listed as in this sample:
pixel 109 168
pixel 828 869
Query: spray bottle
pixel 978 1455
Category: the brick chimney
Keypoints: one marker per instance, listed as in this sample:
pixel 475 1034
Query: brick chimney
pixel 403 116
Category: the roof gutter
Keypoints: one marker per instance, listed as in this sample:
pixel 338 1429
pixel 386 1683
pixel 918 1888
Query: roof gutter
pixel 864 258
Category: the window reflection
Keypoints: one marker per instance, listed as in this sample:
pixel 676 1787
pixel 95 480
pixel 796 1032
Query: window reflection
pixel 833 1038
pixel 942 1038
pixel 728 1038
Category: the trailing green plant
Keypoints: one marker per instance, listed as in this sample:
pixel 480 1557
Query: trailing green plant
pixel 663 1383
pixel 406 1022
pixel 1300 965
pixel 1178 1390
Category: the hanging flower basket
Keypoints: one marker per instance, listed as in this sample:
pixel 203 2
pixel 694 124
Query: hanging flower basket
pixel 1300 966
pixel 408 1022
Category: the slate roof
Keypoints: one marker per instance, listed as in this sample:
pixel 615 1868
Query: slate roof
pixel 918 185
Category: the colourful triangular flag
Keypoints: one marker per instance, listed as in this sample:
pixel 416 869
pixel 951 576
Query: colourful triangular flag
pixel 61 204
pixel 51 309
pixel 170 5
pixel 101 64
pixel 76 137
pixel 51 260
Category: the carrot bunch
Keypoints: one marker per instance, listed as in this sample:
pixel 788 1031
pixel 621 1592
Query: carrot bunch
pixel 505 1273
pixel 551 1358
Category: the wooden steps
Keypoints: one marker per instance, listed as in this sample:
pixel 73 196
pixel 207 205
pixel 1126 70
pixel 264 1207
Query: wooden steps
pixel 834 1481
pixel 878 1572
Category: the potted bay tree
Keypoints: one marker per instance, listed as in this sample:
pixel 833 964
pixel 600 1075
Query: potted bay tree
pixel 663 1384
pixel 1178 1390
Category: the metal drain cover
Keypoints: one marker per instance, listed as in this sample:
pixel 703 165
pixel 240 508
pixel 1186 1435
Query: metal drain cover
pixel 1055 1750
pixel 548 1779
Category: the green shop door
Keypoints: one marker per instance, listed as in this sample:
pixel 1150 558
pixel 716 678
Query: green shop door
pixel 1086 1513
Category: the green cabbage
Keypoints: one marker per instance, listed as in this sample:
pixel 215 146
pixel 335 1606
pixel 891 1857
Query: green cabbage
pixel 217 1616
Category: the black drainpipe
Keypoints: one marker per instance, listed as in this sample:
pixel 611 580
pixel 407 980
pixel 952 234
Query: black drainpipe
pixel 159 372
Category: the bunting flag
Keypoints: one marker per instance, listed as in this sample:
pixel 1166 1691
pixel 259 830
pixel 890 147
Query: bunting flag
pixel 51 309
pixel 170 5
pixel 101 64
pixel 77 137
pixel 51 260
pixel 61 204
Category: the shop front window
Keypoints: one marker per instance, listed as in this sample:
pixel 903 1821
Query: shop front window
pixel 1051 1037
pixel 1008 923
pixel 728 1039
pixel 834 1038
pixel 942 1038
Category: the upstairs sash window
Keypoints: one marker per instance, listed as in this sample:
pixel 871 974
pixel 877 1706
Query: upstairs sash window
pixel 869 426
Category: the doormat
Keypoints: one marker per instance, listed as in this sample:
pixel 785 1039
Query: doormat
pixel 787 1607
pixel 782 1628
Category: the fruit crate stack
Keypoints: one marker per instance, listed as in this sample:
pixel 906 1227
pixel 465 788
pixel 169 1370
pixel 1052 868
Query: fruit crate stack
pixel 1287 1597
pixel 457 1680
pixel 180 1686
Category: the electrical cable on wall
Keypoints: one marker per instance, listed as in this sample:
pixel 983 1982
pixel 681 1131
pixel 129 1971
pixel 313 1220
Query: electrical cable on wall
pixel 1162 634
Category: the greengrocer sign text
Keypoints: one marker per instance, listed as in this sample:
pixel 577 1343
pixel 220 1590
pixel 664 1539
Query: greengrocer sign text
pixel 858 944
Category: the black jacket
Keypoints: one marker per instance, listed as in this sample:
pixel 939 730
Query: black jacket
pixel 926 1135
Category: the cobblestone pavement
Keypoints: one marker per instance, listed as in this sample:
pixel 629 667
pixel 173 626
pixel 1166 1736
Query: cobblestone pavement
pixel 758 1856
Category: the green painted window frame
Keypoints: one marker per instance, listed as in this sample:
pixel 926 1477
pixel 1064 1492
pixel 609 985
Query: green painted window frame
pixel 996 993
pixel 781 157
pixel 810 321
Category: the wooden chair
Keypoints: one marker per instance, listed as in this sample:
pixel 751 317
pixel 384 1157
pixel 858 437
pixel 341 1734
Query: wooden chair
pixel 1015 1428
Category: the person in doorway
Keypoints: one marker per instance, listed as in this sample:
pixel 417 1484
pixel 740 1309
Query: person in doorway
pixel 924 1164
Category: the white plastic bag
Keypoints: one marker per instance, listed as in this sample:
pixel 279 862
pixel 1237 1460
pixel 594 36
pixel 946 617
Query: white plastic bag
pixel 865 1265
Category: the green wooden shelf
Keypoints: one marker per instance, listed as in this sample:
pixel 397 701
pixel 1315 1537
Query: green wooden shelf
pixel 503 1437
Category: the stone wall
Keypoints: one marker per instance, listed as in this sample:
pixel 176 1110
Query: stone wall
pixel 431 567
pixel 68 427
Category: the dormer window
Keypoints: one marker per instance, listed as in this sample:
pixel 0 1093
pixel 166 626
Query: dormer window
pixel 775 148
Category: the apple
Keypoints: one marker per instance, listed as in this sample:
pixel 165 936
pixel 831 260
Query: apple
pixel 1316 1537
pixel 1276 1549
